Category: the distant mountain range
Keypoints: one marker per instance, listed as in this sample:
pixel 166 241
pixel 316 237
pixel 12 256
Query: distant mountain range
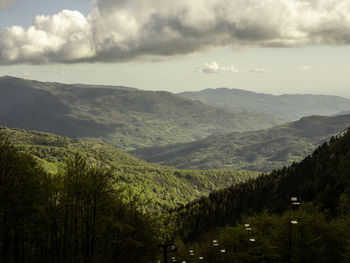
pixel 164 187
pixel 120 116
pixel 131 119
pixel 283 107
pixel 262 150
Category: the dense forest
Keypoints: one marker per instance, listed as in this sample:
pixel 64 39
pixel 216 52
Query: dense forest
pixel 79 215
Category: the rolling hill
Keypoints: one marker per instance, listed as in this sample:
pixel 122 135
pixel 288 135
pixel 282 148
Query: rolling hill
pixel 165 187
pixel 124 117
pixel 262 150
pixel 286 107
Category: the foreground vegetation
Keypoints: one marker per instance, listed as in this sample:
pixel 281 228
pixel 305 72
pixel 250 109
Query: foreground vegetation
pixel 78 215
pixel 316 238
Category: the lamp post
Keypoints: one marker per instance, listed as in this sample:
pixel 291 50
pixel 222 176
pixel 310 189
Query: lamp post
pixel 191 254
pixel 294 204
pixel 250 232
pixel 223 251
pixel 165 249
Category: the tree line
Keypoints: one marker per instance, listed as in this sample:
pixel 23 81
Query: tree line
pixel 78 215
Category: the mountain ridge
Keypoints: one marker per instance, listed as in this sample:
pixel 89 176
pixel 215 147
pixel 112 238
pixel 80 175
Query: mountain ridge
pixel 128 119
pixel 262 150
pixel 286 107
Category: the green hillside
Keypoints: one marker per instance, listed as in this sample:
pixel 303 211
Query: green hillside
pixel 262 150
pixel 165 187
pixel 313 229
pixel 289 107
pixel 124 117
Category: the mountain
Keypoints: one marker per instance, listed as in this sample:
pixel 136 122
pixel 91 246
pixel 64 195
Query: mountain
pixel 262 150
pixel 284 107
pixel 124 117
pixel 343 113
pixel 164 187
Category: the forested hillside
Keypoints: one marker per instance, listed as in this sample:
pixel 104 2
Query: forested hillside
pixel 78 215
pixel 288 107
pixel 299 213
pixel 163 187
pixel 120 116
pixel 263 150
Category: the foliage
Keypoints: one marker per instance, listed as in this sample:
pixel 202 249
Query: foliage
pixel 314 239
pixel 75 216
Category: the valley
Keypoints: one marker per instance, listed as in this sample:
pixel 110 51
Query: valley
pixel 263 150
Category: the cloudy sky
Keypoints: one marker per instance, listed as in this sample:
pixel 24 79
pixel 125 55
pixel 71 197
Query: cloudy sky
pixel 270 46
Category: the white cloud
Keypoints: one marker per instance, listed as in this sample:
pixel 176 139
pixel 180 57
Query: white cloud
pixel 63 37
pixel 118 30
pixel 259 70
pixel 214 67
pixel 306 68
pixel 6 3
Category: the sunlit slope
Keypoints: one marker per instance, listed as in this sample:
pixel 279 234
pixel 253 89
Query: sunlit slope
pixel 164 187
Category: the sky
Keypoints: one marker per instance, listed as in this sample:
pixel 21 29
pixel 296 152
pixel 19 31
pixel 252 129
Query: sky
pixel 267 46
